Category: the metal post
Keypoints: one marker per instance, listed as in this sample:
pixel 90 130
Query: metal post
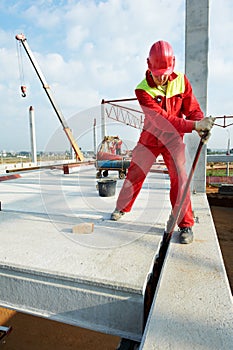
pixel 94 137
pixel 103 121
pixel 72 153
pixel 228 153
pixel 32 134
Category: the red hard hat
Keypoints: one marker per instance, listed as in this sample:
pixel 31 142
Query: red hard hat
pixel 161 59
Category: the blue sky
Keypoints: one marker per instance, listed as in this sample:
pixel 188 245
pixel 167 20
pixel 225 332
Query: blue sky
pixel 93 50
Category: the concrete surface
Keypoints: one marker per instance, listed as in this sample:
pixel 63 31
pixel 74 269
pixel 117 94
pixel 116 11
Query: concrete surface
pixel 193 305
pixel 96 280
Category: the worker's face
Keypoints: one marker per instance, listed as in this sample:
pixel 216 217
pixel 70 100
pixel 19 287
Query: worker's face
pixel 160 79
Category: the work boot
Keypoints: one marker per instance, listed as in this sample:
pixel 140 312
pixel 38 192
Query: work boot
pixel 117 214
pixel 186 235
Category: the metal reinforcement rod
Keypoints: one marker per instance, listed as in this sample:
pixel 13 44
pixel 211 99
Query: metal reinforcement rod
pixel 159 261
pixel 50 166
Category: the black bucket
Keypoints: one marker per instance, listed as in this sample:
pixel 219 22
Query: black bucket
pixel 107 187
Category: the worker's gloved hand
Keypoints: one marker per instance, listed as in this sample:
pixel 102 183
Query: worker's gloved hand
pixel 205 124
pixel 203 128
pixel 205 135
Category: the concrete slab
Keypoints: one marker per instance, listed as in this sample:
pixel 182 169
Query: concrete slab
pixel 193 306
pixel 94 280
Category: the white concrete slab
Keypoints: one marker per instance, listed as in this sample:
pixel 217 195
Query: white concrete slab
pixel 193 306
pixel 92 280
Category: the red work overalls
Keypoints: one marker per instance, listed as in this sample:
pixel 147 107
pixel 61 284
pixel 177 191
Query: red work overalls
pixel 164 127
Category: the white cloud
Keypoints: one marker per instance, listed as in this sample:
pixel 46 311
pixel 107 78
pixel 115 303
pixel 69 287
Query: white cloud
pixel 76 36
pixel 45 18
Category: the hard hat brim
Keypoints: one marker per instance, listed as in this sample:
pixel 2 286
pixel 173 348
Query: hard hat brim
pixel 162 71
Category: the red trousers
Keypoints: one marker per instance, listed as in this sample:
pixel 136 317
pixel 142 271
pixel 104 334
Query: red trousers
pixel 143 157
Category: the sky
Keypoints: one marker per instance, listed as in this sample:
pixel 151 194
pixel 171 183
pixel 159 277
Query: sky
pixel 92 50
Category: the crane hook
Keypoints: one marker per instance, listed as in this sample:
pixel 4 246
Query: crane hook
pixel 23 89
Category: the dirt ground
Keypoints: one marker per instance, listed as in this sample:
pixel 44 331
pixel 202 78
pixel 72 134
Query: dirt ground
pixel 222 213
pixel 222 217
pixel 35 333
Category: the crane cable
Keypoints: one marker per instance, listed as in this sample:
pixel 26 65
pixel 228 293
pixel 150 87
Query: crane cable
pixel 21 71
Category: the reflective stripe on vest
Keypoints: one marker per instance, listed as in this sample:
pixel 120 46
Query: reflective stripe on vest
pixel 174 87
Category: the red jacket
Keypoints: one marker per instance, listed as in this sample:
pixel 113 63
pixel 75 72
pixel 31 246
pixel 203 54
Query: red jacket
pixel 169 113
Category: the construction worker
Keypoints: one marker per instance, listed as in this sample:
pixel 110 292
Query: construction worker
pixel 171 110
pixel 118 146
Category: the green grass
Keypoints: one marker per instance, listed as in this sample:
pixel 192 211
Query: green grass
pixel 218 172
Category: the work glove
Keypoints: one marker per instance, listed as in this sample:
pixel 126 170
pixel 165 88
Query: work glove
pixel 204 135
pixel 205 124
pixel 203 128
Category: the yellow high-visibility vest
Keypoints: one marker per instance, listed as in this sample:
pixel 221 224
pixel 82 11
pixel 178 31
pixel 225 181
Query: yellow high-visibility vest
pixel 174 87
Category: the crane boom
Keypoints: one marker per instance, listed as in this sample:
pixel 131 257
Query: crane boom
pixel 23 40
